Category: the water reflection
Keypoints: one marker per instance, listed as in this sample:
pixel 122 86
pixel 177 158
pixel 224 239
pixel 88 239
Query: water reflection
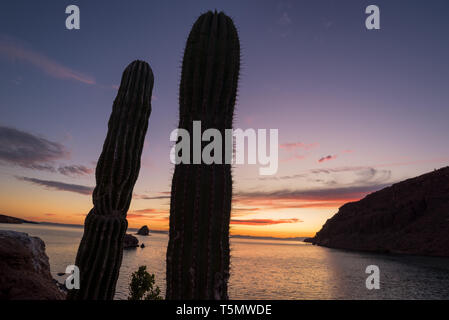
pixel 273 269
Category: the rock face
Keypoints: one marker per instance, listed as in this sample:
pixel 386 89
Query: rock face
pixel 144 231
pixel 410 217
pixel 24 269
pixel 130 241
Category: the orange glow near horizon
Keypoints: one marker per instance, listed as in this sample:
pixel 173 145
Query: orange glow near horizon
pixel 261 214
pixel 262 221
pixel 252 216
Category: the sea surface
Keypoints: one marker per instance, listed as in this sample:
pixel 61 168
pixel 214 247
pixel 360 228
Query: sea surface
pixel 271 269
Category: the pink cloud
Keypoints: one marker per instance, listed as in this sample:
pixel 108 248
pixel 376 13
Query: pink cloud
pixel 327 158
pixel 149 213
pixel 292 147
pixel 13 50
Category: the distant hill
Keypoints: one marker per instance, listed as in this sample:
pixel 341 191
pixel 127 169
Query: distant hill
pixel 410 217
pixel 8 219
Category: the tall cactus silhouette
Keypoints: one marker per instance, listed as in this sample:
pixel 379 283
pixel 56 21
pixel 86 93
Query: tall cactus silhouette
pixel 100 252
pixel 198 248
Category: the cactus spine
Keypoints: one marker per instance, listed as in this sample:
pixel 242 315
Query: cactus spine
pixel 200 207
pixel 100 252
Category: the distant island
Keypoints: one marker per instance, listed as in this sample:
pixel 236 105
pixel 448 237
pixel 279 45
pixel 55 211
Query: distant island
pixel 8 219
pixel 409 217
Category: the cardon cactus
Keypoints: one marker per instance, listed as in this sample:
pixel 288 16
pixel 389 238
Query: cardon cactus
pixel 198 249
pixel 100 252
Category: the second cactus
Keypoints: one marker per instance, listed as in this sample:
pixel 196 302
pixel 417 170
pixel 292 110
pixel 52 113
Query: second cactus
pixel 198 255
pixel 100 252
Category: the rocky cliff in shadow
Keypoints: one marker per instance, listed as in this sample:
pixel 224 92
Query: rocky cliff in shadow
pixel 410 217
pixel 25 269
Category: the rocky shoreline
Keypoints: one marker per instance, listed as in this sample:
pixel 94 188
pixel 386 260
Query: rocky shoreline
pixel 409 217
pixel 25 269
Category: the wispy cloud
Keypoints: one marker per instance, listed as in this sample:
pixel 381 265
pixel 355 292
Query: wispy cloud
pixel 61 186
pixel 327 158
pixel 333 188
pixel 26 150
pixel 12 49
pixel 87 190
pixel 147 210
pixel 273 204
pixel 333 195
pixel 75 170
pixel 149 213
pixel 146 197
pixel 29 151
pixel 292 149
pixel 286 177
pixel 342 193
pixel 329 197
pixel 160 218
pixel 263 222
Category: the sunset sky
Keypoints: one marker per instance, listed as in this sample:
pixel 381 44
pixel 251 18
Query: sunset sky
pixel 356 110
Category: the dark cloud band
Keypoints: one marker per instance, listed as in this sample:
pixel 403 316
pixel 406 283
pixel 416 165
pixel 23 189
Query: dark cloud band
pixel 29 151
pixel 56 185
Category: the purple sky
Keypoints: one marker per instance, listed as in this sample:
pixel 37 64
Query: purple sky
pixel 371 105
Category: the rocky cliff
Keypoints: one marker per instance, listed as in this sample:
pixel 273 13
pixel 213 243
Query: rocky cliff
pixel 410 217
pixel 24 269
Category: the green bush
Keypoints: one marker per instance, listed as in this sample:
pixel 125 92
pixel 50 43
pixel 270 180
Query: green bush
pixel 141 286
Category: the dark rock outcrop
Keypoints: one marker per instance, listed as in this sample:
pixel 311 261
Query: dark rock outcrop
pixel 8 219
pixel 308 240
pixel 130 241
pixel 410 217
pixel 144 231
pixel 25 269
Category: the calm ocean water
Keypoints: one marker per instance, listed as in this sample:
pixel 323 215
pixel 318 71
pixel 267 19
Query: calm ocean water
pixel 263 269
